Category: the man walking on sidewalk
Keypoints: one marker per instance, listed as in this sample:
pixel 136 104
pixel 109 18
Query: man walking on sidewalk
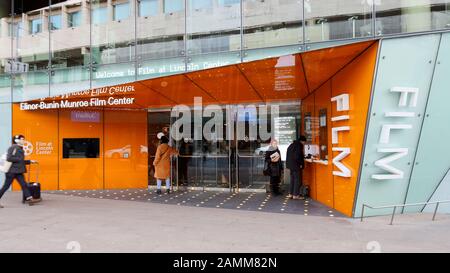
pixel 16 156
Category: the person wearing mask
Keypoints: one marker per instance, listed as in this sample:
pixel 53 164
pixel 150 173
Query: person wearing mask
pixel 162 163
pixel 16 155
pixel 295 163
pixel 274 167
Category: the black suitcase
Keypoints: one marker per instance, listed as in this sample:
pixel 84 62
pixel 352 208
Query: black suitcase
pixel 35 190
pixel 34 187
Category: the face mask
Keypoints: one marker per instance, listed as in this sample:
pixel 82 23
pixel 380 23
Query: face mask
pixel 20 142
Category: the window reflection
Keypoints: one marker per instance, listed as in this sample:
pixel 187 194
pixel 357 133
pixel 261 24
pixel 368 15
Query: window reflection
pixel 99 15
pixel 121 11
pixel 35 26
pixel 55 22
pixel 74 19
pixel 148 8
pixel 171 6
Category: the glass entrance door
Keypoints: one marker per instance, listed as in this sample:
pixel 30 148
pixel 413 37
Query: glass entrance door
pixel 204 159
pixel 233 159
pixel 251 145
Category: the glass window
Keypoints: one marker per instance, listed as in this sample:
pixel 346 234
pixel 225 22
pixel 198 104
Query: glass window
pixel 228 2
pixel 222 36
pixel 99 15
pixel 112 45
pixel 395 16
pixel 121 11
pixel 35 26
pixel 15 29
pixel 173 6
pixel 271 24
pixel 148 8
pixel 74 19
pixel 201 4
pixel 55 22
pixel 336 19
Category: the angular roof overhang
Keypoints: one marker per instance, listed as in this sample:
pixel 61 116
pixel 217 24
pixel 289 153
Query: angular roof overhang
pixel 285 78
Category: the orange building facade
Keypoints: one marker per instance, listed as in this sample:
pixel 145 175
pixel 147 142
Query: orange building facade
pixel 328 89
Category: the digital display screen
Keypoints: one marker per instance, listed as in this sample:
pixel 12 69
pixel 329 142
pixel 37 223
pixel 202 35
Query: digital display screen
pixel 81 147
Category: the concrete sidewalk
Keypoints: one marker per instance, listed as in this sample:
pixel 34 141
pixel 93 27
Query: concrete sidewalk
pixel 66 223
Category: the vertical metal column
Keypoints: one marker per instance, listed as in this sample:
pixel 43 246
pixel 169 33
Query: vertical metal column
pixel 242 31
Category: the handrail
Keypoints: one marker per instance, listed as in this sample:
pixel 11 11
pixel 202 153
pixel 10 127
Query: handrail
pixel 404 205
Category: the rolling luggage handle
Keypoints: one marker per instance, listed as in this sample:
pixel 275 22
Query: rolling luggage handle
pixel 38 169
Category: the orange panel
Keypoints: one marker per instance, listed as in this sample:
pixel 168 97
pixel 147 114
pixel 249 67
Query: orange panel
pixel 180 89
pixel 146 97
pixel 80 173
pixel 41 129
pixel 226 84
pixel 309 177
pixel 324 176
pixel 279 78
pixel 126 152
pixel 321 65
pixel 355 79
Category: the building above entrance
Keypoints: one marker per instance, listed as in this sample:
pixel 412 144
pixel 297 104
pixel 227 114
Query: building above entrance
pixel 284 78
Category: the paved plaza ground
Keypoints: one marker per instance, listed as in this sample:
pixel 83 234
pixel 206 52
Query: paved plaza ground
pixel 65 223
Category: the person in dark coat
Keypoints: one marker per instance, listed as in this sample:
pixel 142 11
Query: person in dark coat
pixel 274 166
pixel 295 163
pixel 16 156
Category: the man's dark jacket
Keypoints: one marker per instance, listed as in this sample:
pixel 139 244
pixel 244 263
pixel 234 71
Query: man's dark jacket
pixel 295 156
pixel 16 155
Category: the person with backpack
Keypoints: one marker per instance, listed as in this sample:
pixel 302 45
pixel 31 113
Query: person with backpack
pixel 162 164
pixel 16 156
pixel 295 163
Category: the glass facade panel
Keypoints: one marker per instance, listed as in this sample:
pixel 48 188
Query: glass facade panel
pixel 30 85
pixel 171 6
pixel 336 19
pixel 161 47
pixel 206 61
pixel 99 14
pixel 112 74
pixel 272 23
pixel 148 8
pixel 221 34
pixel 154 68
pixel 5 88
pixel 30 51
pixel 228 2
pixel 121 11
pixel 200 4
pixel 15 29
pixel 113 41
pixel 395 16
pixel 69 79
pixel 70 51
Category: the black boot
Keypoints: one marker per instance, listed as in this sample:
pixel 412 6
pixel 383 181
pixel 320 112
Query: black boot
pixel 158 191
pixel 168 191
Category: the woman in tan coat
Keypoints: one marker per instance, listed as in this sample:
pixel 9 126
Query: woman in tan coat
pixel 162 163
